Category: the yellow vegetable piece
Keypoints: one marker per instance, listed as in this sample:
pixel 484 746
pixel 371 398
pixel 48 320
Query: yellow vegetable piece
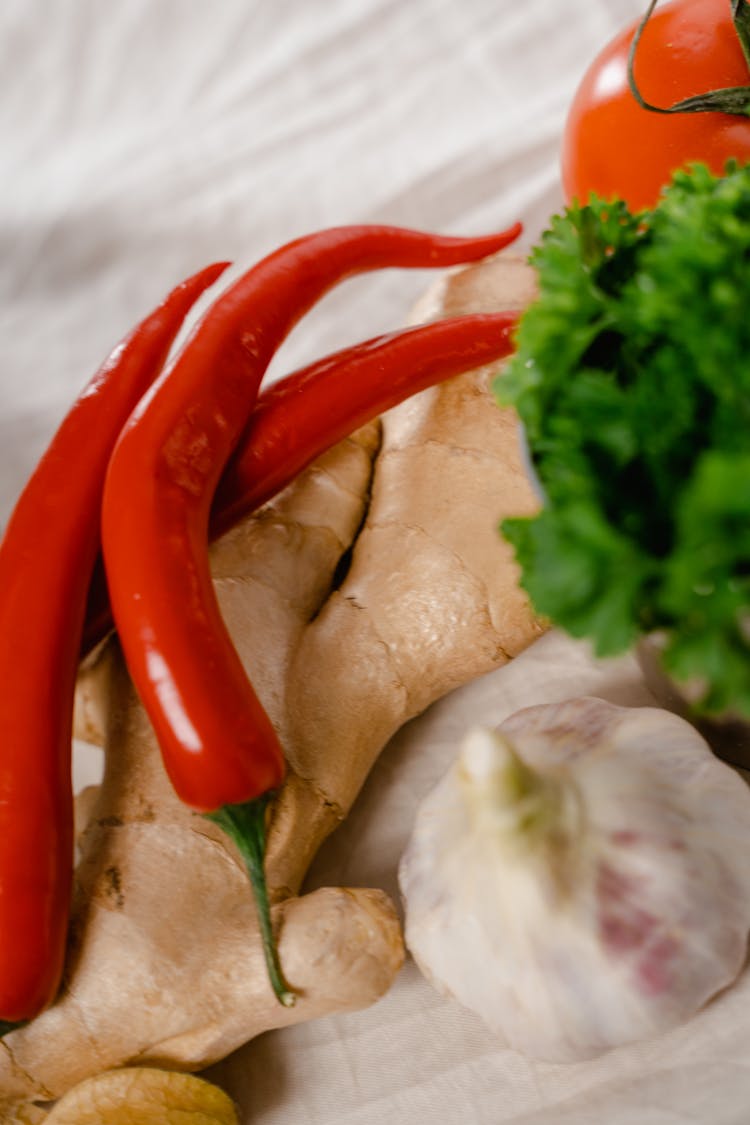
pixel 144 1096
pixel 25 1115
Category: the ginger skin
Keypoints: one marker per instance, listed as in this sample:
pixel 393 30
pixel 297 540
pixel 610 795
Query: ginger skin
pixel 372 586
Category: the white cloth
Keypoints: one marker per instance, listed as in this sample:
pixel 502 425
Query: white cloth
pixel 139 141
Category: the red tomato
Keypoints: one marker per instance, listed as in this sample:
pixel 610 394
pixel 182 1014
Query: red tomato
pixel 614 147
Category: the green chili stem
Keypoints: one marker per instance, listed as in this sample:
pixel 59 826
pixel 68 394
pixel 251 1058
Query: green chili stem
pixel 246 825
pixel 732 99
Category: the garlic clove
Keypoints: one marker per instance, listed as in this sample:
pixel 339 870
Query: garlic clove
pixel 578 877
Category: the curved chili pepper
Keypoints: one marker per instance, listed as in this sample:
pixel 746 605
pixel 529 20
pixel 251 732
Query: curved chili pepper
pixel 218 745
pixel 305 413
pixel 46 558
pixel 301 416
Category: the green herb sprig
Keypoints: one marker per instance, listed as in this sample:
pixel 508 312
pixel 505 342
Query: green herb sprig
pixel 632 380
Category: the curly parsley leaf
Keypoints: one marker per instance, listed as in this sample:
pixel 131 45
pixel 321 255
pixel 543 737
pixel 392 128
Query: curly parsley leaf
pixel 707 581
pixel 632 380
pixel 579 570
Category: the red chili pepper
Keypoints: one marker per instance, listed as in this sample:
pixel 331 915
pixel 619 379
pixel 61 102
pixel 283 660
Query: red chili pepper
pixel 304 414
pixel 218 744
pixel 46 558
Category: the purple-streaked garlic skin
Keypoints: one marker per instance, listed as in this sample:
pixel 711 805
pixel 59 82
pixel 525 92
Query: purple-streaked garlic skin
pixel 579 877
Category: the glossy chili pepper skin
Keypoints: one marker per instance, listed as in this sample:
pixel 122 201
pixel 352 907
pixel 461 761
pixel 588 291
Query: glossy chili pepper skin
pixel 46 558
pixel 218 745
pixel 303 415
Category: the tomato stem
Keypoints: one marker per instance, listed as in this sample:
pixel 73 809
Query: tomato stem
pixel 741 20
pixel 731 99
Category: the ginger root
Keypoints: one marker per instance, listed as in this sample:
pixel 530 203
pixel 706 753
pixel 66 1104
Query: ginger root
pixel 373 585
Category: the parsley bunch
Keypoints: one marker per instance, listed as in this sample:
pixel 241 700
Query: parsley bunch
pixel 632 379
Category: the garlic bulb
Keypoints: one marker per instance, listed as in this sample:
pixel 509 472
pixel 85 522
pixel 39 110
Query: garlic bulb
pixel 580 877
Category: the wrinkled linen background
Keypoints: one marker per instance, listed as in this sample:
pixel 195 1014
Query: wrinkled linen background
pixel 141 140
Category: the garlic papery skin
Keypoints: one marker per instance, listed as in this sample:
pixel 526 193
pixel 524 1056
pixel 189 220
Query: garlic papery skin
pixel 579 877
